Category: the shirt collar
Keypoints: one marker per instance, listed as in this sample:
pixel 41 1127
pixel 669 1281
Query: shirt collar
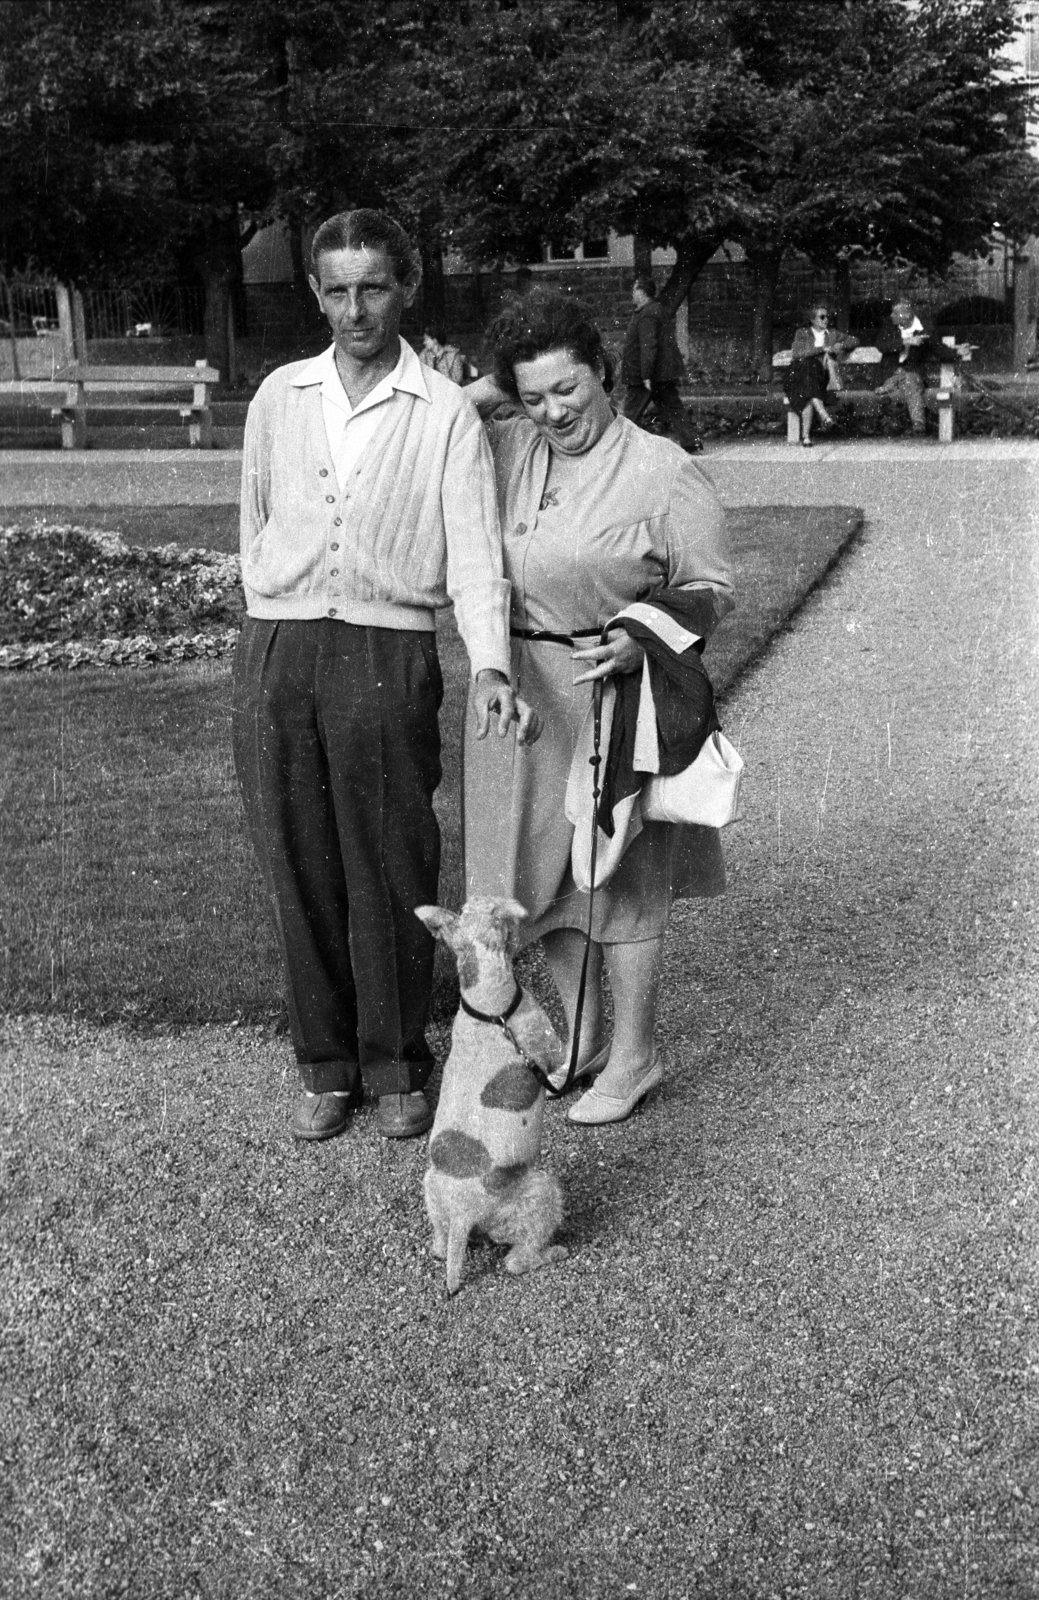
pixel 406 375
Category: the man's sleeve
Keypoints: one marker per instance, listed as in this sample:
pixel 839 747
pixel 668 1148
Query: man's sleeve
pixel 256 480
pixel 649 344
pixel 475 580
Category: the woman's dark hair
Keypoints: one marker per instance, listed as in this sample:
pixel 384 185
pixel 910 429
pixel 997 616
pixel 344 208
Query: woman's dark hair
pixel 545 320
pixel 371 230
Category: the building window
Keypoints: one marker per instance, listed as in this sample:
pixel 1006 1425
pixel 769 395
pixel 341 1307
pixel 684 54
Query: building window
pixel 587 250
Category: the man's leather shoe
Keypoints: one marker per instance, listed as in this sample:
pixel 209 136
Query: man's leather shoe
pixel 322 1116
pixel 403 1116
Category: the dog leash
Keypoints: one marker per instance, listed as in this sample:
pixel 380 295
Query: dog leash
pixel 595 762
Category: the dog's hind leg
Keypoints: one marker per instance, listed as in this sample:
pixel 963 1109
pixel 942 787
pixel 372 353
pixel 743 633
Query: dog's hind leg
pixel 457 1242
pixel 535 1212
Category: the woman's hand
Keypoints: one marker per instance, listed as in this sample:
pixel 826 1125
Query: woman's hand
pixel 621 654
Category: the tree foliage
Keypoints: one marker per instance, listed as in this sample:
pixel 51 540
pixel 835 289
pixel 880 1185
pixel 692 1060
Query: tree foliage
pixel 151 135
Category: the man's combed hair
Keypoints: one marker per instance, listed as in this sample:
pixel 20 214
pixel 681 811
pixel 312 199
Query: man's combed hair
pixel 646 284
pixel 368 230
pixel 544 320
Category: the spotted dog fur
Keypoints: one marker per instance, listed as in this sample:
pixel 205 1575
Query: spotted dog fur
pixel 486 1136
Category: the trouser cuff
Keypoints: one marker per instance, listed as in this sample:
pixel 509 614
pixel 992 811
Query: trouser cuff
pixel 326 1077
pixel 397 1077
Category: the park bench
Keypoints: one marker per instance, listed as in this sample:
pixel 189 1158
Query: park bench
pixel 107 388
pixel 869 355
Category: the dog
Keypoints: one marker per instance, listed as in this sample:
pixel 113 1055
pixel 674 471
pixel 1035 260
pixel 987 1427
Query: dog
pixel 486 1136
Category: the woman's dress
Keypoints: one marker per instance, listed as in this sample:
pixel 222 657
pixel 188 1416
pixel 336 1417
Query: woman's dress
pixel 812 358
pixel 807 376
pixel 585 536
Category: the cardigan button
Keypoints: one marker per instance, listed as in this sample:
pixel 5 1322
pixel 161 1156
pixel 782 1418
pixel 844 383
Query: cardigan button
pixel 334 572
pixel 334 547
pixel 322 472
pixel 331 499
pixel 337 522
pixel 332 611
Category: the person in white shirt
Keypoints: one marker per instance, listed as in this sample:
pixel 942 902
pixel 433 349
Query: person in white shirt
pixel 905 346
pixel 368 503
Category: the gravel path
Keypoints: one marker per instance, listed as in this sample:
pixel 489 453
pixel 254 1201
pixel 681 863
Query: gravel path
pixel 793 1352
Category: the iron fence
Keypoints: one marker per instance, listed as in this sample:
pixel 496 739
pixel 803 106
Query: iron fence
pixel 143 309
pixel 27 309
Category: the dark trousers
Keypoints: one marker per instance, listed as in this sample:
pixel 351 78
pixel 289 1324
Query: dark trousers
pixel 665 397
pixel 337 751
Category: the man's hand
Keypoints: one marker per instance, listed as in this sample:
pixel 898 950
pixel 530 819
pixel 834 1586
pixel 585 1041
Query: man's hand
pixel 622 654
pixel 487 396
pixel 492 691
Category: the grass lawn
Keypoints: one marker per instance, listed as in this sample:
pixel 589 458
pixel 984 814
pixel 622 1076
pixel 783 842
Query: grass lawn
pixel 129 889
pixel 788 1357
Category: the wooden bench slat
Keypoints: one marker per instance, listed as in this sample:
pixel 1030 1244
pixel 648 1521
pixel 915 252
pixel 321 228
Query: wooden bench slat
pixel 133 375
pixel 112 404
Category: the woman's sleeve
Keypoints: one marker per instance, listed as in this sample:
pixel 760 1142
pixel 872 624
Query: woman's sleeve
pixel 697 545
pixel 803 345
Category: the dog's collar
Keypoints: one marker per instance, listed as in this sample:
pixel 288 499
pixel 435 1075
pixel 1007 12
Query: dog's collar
pixel 500 1017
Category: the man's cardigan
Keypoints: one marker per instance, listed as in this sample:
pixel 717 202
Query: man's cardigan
pixel 414 528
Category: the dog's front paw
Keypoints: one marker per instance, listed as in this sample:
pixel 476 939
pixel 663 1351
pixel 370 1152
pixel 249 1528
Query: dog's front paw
pixel 519 1261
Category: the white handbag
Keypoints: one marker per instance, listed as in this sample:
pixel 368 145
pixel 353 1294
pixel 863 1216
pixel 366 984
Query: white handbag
pixel 706 792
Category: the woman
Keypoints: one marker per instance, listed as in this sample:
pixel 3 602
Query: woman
pixel 813 370
pixel 595 514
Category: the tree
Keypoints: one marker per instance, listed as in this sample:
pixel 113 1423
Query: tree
pixel 829 128
pixel 140 137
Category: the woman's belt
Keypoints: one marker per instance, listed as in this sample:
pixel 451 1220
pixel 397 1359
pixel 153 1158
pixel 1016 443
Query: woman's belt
pixel 542 635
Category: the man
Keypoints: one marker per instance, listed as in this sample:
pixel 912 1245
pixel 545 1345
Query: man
pixel 651 365
pixel 368 502
pixel 905 345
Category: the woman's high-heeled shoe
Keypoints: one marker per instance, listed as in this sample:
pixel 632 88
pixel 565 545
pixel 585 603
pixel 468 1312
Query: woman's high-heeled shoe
pixel 585 1074
pixel 595 1108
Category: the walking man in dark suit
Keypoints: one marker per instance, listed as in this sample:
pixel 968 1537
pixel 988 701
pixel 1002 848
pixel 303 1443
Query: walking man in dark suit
pixel 651 365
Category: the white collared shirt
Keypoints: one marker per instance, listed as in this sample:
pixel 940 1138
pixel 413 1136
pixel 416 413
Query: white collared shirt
pixel 351 429
pixel 916 326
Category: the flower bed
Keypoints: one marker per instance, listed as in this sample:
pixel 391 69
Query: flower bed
pixel 75 597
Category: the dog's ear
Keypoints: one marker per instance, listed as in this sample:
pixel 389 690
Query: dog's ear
pixel 440 923
pixel 510 912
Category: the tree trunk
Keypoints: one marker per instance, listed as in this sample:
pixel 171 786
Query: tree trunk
pixel 765 266
pixel 218 263
pixel 643 255
pixel 842 292
pixel 300 280
pixel 434 296
pixel 692 255
pixel 1024 318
